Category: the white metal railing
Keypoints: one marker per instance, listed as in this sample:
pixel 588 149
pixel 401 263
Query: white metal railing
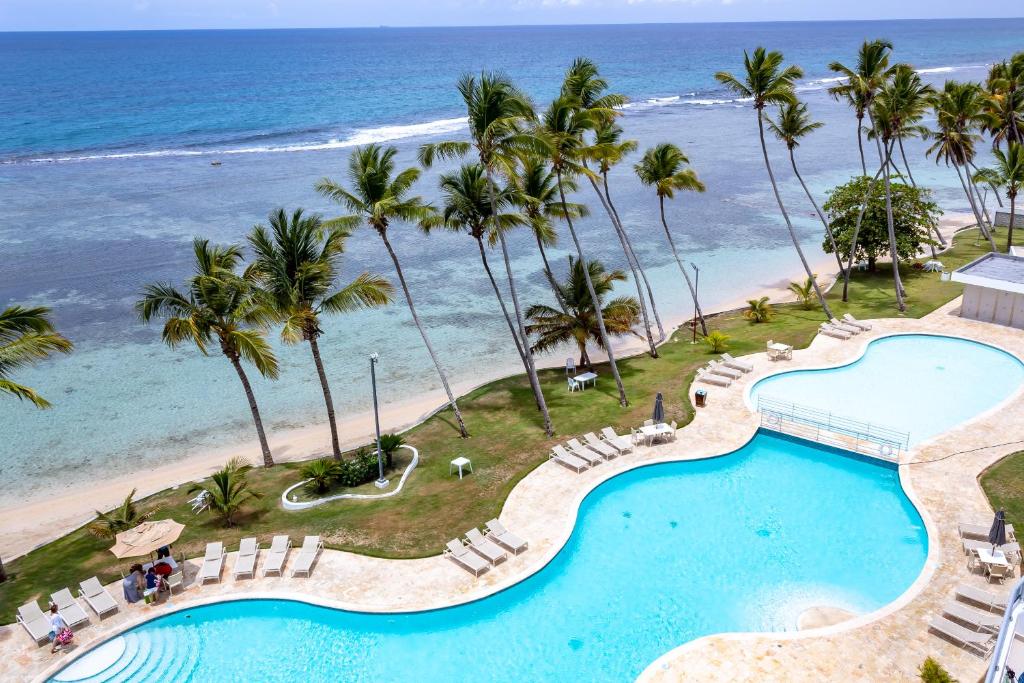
pixel 828 428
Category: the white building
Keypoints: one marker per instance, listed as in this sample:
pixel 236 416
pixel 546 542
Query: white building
pixel 993 289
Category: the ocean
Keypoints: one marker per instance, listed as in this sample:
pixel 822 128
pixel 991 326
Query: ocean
pixel 106 144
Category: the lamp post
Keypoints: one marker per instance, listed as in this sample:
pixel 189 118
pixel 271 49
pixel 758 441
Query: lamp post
pixel 696 287
pixel 381 482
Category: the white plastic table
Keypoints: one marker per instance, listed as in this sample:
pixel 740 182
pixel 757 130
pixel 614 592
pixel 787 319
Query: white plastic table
pixel 460 462
pixel 986 556
pixel 654 431
pixel 586 377
pixel 780 350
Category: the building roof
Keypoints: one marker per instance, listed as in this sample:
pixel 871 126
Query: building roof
pixel 995 271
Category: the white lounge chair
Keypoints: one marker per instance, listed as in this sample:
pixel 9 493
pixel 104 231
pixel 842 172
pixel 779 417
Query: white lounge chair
pixel 311 547
pixel 607 450
pixel 462 556
pixel 97 597
pixel 213 563
pixel 980 531
pixel 245 563
pixel 968 593
pixel 849 319
pixel 720 368
pixel 497 532
pixel 582 452
pixel 978 643
pixel 571 461
pixel 35 622
pixel 69 608
pixel 845 327
pixel 484 547
pixel 830 331
pixel 619 443
pixel 980 621
pixel 740 365
pixel 708 378
pixel 277 555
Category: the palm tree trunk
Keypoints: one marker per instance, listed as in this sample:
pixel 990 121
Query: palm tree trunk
pixel 860 145
pixel 328 401
pixel 856 232
pixel 632 267
pixel 3 572
pixel 1009 231
pixel 981 201
pixel 995 190
pixel 817 209
pixel 501 301
pixel 897 283
pixel 426 340
pixel 899 140
pixel 268 461
pixel 682 269
pixel 789 225
pixel 974 208
pixel 636 259
pixel 623 401
pixel 549 275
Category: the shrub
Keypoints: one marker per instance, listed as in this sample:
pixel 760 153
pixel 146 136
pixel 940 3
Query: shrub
pixel 804 292
pixel 933 672
pixel 759 310
pixel 389 443
pixel 717 340
pixel 321 474
pixel 359 470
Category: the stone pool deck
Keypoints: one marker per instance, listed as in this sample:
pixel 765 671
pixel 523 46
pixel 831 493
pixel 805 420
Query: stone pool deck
pixel 885 645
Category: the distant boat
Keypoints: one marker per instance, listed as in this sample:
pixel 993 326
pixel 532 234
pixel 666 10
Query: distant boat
pixel 214 163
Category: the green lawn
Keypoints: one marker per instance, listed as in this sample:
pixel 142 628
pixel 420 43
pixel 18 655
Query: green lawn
pixel 507 443
pixel 1003 484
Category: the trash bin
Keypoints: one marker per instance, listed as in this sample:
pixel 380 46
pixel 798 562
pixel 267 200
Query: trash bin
pixel 701 397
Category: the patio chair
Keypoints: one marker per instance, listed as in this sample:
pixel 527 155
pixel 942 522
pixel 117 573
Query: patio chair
pixel 720 368
pixel 1000 572
pixel 570 367
pixel 35 622
pixel 573 385
pixel 581 451
pixel 619 443
pixel 176 580
pixel 636 437
pixel 607 450
pixel 497 532
pixel 773 354
pixel 213 563
pixel 69 608
pixel 845 327
pixel 200 502
pixel 484 547
pixel 277 555
pixel 740 365
pixel 569 460
pixel 978 620
pixel 849 319
pixel 460 555
pixel 310 550
pixel 97 597
pixel 675 428
pixel 968 593
pixel 717 380
pixel 648 423
pixel 972 641
pixel 245 563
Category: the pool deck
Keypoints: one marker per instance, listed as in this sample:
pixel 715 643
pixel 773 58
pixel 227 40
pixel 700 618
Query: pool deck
pixel 885 645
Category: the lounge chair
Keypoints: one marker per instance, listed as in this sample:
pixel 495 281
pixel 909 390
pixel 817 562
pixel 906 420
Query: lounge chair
pixel 978 620
pixel 35 622
pixel 845 327
pixel 1011 550
pixel 1000 572
pixel 484 547
pixel 462 556
pixel 619 443
pixel 571 461
pixel 708 378
pixel 97 597
pixel 69 608
pixel 276 556
pixel 978 643
pixel 176 580
pixel 740 365
pixel 607 450
pixel 968 593
pixel 497 532
pixel 980 531
pixel 581 451
pixel 720 368
pixel 200 502
pixel 245 563
pixel 213 563
pixel 850 320
pixel 311 547
pixel 830 331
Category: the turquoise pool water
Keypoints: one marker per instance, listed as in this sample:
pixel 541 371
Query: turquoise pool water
pixel 660 555
pixel 917 383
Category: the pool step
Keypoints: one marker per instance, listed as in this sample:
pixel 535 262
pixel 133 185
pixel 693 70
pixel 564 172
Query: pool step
pixel 164 654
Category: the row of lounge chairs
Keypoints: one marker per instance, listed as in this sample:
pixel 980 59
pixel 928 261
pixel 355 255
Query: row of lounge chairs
pixel 248 551
pixel 477 552
pixel 963 623
pixel 723 372
pixel 37 623
pixel 845 328
pixel 578 456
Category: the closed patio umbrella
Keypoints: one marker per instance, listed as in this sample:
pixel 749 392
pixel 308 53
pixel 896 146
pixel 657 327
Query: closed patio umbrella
pixel 659 409
pixel 146 538
pixel 997 534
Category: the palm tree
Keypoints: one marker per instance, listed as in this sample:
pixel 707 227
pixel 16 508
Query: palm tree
pixel 766 82
pixel 804 292
pixel 579 323
pixel 793 124
pixel 217 306
pixel 1008 173
pixel 378 197
pixel 497 112
pixel 228 490
pixel 27 336
pixel 862 82
pixel 561 131
pixel 759 310
pixel 107 525
pixel 663 168
pixel 297 263
pixel 1005 105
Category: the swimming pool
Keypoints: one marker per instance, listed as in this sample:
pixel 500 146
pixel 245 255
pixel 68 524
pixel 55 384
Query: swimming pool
pixel 918 383
pixel 660 555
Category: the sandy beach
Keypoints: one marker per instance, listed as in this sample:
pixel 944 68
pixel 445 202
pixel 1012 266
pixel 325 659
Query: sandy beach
pixel 33 521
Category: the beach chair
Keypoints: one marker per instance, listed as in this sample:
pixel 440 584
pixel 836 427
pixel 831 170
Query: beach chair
pixel 619 443
pixel 276 556
pixel 213 563
pixel 69 608
pixel 850 320
pixel 976 619
pixel 97 597
pixel 720 368
pixel 607 450
pixel 484 547
pixel 460 555
pixel 830 331
pixel 717 380
pixel 581 451
pixel 35 622
pixel 740 365
pixel 972 641
pixel 571 461
pixel 245 563
pixel 176 580
pixel 845 327
pixel 980 531
pixel 967 593
pixel 497 532
pixel 311 547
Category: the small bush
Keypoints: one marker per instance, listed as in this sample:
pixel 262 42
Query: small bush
pixel 322 474
pixel 759 310
pixel 718 341
pixel 389 443
pixel 933 672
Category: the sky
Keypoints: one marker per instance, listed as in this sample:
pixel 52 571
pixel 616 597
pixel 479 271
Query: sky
pixel 92 15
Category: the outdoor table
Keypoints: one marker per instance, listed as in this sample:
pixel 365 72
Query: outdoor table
pixel 586 377
pixel 652 432
pixel 460 462
pixel 988 558
pixel 781 350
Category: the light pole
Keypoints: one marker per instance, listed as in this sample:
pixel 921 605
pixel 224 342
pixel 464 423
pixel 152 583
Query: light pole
pixel 381 482
pixel 696 287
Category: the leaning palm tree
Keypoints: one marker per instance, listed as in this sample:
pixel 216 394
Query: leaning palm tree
pixel 296 264
pixel 27 336
pixel 766 82
pixel 217 307
pixel 228 490
pixel 561 132
pixel 664 168
pixel 1008 173
pixel 378 196
pixel 578 323
pixel 861 82
pixel 497 113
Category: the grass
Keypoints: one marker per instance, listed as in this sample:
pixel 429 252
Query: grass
pixel 507 443
pixel 1003 484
